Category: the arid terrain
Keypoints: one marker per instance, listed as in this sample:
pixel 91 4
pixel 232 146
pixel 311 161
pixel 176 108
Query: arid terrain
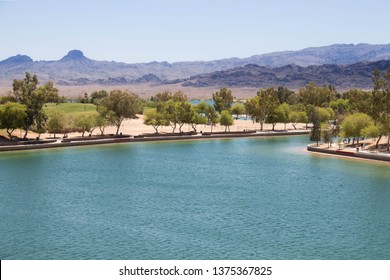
pixel 344 66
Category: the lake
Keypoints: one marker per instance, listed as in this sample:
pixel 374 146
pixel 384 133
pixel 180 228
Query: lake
pixel 243 198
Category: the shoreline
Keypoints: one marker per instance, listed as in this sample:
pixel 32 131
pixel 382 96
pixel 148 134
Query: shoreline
pixel 350 154
pixel 11 148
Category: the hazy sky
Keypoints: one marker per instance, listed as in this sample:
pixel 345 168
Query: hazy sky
pixel 173 30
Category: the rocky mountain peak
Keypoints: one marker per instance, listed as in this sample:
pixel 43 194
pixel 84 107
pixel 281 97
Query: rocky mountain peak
pixel 74 55
pixel 17 59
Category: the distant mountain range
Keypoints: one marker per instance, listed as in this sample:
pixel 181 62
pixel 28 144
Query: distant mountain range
pixel 342 65
pixel 358 75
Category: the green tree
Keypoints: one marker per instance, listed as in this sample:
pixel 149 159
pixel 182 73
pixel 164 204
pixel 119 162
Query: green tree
pixel 184 114
pixel 282 113
pixel 96 96
pixel 12 116
pixel 123 104
pixel 173 107
pixel 381 103
pixel 339 106
pixel 202 107
pixel 296 117
pixel 284 94
pixel 315 133
pixel 359 101
pixel 318 96
pixel 354 125
pixel 178 96
pixel 27 93
pixel 57 122
pixel 372 131
pixel 212 116
pixel 272 119
pixel 226 119
pixel 262 105
pixel 155 119
pixel 162 96
pixel 197 119
pixel 238 109
pixel 102 123
pixel 327 133
pixel 223 99
pixel 84 122
pixel 106 117
pixel 170 110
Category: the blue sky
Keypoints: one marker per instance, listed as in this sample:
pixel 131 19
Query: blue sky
pixel 173 30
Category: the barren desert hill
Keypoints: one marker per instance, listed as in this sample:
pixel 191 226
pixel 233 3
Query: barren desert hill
pixel 344 65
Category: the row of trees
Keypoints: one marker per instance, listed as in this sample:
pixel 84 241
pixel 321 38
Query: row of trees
pixel 112 109
pixel 173 109
pixel 269 106
pixel 23 108
pixel 59 122
pixel 358 114
pixel 354 114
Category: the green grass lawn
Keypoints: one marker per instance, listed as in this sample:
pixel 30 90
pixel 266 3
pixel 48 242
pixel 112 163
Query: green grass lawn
pixel 69 108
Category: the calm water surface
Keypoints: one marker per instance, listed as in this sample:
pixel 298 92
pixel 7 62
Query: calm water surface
pixel 214 199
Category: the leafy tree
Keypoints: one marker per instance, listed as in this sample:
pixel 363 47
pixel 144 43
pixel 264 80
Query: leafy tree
pixel 327 133
pixel 170 111
pixel 96 96
pixel 339 106
pixel 298 117
pixel 359 101
pixel 238 109
pixel 83 123
pixel 49 93
pixel 202 107
pixel 26 92
pixel 284 94
pixel 212 116
pixel 226 119
pixel 324 114
pixel 315 133
pixel 57 122
pixel 94 117
pixel 155 119
pixel 173 108
pixel 12 116
pixel 372 131
pixel 106 117
pixel 8 98
pixel 223 99
pixel 184 114
pixel 123 104
pixel 381 102
pixel 197 119
pixel 272 119
pixel 102 123
pixel 262 105
pixel 40 123
pixel 354 124
pixel 282 114
pixel 162 96
pixel 319 96
pixel 178 96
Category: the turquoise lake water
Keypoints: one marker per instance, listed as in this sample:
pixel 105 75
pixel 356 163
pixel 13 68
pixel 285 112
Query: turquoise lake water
pixel 264 198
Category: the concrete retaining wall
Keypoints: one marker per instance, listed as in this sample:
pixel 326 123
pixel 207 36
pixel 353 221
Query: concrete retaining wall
pixel 147 139
pixel 372 156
